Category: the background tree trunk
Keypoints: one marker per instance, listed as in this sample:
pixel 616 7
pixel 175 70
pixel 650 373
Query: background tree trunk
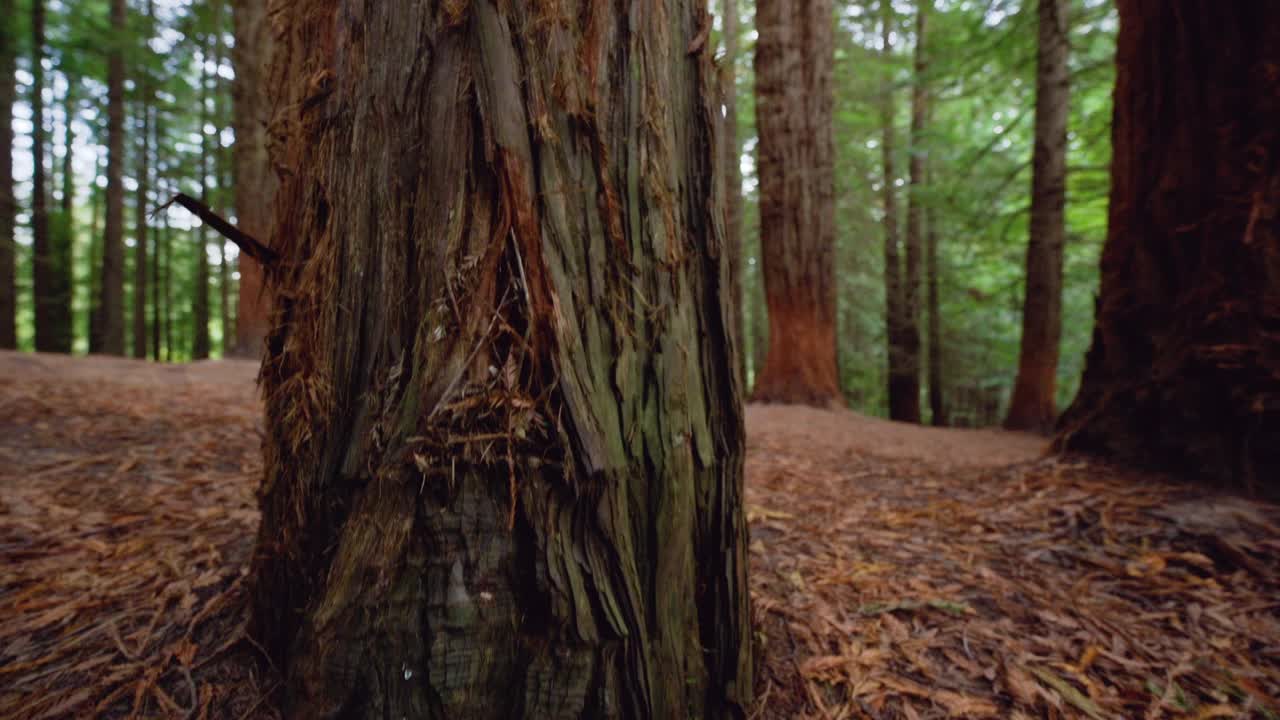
pixel 94 330
pixel 904 403
pixel 112 303
pixel 1033 405
pixel 1184 372
pixel 254 179
pixel 200 344
pixel 504 453
pixel 794 100
pixel 732 165
pixel 937 391
pixel 911 310
pixel 51 282
pixel 140 266
pixel 8 205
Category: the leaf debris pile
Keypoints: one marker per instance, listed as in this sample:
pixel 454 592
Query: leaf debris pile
pixel 943 587
pixel 127 517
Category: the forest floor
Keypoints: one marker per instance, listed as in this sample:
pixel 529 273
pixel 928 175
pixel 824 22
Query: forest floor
pixel 896 571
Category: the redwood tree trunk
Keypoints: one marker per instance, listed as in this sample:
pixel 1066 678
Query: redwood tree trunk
pixel 937 390
pixel 51 280
pixel 140 266
pixel 794 99
pixel 254 180
pixel 112 302
pixel 904 383
pixel 732 165
pixel 504 447
pixel 200 342
pixel 1032 407
pixel 911 311
pixel 8 206
pixel 1184 372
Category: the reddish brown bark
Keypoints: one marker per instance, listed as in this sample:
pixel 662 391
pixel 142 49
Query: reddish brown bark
pixel 1184 371
pixel 794 99
pixel 1033 406
pixel 254 180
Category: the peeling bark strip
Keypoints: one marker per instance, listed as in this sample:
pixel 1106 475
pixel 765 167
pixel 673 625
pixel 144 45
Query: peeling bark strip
pixel 1184 372
pixel 504 456
pixel 794 100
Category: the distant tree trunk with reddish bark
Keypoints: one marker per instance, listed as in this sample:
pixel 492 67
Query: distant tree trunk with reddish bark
pixel 254 180
pixel 1184 372
pixel 1033 406
pixel 201 344
pixel 794 99
pixel 937 391
pixel 915 245
pixel 8 205
pixel 51 269
pixel 504 432
pixel 732 165
pixel 111 304
pixel 904 383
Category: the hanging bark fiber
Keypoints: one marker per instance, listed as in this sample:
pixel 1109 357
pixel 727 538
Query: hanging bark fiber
pixel 1184 372
pixel 504 435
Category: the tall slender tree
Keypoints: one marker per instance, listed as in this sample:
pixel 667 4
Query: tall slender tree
pixel 915 245
pixel 904 387
pixel 937 396
pixel 254 178
pixel 112 297
pixel 94 316
pixel 51 280
pixel 733 172
pixel 8 205
pixel 1184 372
pixel 201 344
pixel 794 100
pixel 141 269
pixel 504 435
pixel 1032 406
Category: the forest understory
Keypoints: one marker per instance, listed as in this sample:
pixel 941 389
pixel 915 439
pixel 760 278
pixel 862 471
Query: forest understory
pixel 896 571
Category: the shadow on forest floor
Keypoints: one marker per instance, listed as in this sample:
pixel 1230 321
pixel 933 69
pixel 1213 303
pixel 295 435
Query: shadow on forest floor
pixel 897 572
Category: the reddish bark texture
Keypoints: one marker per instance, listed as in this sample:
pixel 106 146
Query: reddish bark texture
pixel 1184 372
pixel 1033 407
pixel 794 99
